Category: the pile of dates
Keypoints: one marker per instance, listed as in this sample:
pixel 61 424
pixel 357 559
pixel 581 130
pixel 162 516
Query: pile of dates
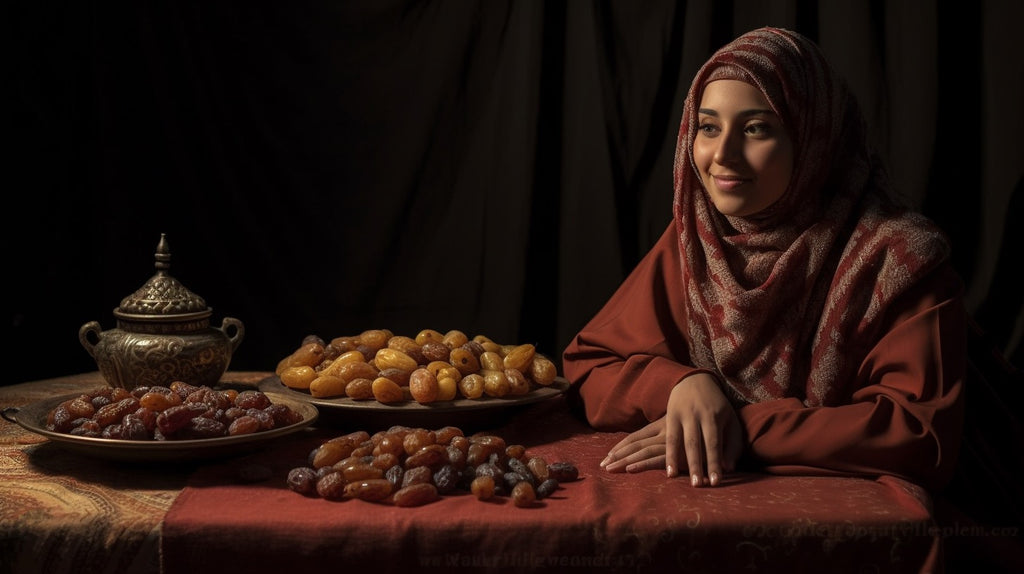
pixel 178 412
pixel 429 367
pixel 407 466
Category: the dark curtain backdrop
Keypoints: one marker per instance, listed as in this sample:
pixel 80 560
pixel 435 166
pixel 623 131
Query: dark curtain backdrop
pixel 490 166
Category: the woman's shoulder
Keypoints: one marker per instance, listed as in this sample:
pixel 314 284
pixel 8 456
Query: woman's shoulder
pixel 903 232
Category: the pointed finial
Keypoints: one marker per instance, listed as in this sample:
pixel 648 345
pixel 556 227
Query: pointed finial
pixel 163 254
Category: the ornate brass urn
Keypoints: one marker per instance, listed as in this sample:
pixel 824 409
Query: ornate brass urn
pixel 163 335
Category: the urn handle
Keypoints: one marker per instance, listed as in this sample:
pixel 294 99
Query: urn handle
pixel 239 331
pixel 90 328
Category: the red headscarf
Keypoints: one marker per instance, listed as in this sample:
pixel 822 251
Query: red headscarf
pixel 787 303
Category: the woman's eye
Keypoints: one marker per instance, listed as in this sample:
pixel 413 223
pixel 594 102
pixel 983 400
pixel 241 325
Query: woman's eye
pixel 759 129
pixel 707 129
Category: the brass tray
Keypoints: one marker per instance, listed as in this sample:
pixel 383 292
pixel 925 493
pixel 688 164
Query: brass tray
pixel 484 412
pixel 33 418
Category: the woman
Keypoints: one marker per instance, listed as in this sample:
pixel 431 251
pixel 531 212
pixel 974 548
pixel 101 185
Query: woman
pixel 793 316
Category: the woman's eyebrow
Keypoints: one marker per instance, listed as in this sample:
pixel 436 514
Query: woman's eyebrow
pixel 743 114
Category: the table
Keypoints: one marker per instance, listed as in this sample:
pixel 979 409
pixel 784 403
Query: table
pixel 65 512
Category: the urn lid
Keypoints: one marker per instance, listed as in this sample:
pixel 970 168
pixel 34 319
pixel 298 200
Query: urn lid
pixel 162 297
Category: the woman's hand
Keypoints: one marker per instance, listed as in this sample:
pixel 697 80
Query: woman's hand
pixel 700 429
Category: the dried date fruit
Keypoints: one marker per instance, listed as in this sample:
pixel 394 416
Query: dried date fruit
pixel 416 439
pixel 464 360
pixel 390 443
pixel 454 338
pixel 435 351
pixel 423 386
pixel 331 486
pixel 481 452
pixel 326 386
pixel 213 399
pixel 496 383
pixel 388 358
pixel 446 479
pixel 243 425
pixel 359 389
pixel 416 475
pixel 114 412
pixel 80 407
pixel 491 361
pixel 252 400
pixel 298 377
pixel 334 367
pixel 519 467
pixel 543 370
pixel 431 336
pixel 283 415
pixel 546 488
pixel 160 399
pixel 386 460
pixel 416 495
pixel 387 391
pixel 482 487
pixel 474 346
pixel 517 382
pixel 60 419
pixel 398 376
pixel 133 428
pixel 563 471
pixel 202 427
pixel 431 456
pixel 352 439
pixel 511 479
pixel 361 471
pixel 88 428
pixel 489 469
pixel 330 453
pixel 369 489
pixel 471 386
pixel 538 467
pixel 456 457
pixel 523 495
pixel 395 474
pixel 265 419
pixel 447 388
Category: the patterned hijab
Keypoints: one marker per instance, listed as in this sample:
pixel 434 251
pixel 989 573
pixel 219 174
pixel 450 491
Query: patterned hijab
pixel 787 302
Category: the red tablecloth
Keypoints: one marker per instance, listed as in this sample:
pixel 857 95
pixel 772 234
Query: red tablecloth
pixel 239 515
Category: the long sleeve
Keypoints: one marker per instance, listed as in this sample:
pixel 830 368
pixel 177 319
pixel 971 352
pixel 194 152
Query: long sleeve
pixel 906 415
pixel 904 418
pixel 626 359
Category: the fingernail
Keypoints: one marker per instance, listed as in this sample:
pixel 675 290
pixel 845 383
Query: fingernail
pixel 715 478
pixel 670 471
pixel 695 480
pixel 605 462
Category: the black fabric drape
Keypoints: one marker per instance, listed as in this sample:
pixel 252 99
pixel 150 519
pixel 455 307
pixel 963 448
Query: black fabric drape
pixel 491 166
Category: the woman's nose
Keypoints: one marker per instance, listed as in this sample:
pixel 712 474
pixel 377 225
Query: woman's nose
pixel 728 150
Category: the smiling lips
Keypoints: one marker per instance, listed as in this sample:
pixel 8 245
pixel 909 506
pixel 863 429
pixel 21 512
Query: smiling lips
pixel 728 182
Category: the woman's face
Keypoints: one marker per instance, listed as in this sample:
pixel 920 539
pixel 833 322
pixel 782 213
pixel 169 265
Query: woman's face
pixel 742 150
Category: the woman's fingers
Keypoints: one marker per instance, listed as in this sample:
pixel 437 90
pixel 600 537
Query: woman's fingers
pixel 713 452
pixel 673 440
pixel 646 456
pixel 649 434
pixel 694 445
